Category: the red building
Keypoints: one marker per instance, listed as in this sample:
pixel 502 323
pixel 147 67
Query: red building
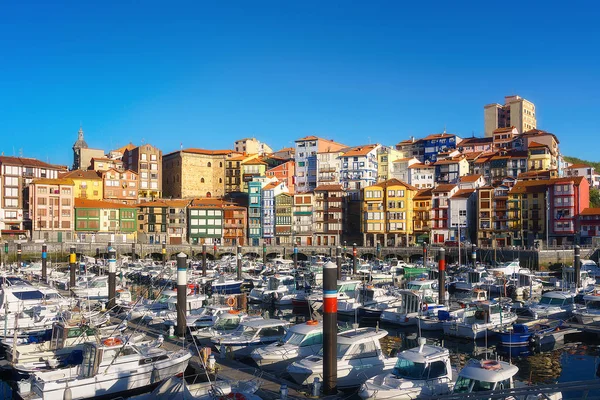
pixel 568 197
pixel 589 222
pixel 284 173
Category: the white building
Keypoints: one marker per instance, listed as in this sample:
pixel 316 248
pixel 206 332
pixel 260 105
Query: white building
pixel 358 169
pixel 306 152
pixel 462 215
pixel 401 169
pixel 422 175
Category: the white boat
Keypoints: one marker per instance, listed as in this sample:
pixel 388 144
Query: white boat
pixel 470 280
pixel 359 357
pixel 251 334
pixel 223 324
pixel 96 289
pixel 506 269
pixel 346 289
pixel 109 368
pixel 473 322
pixel 300 341
pixel 492 376
pixel 368 296
pixel 278 286
pixel 417 299
pixel 557 305
pixel 591 268
pixel 21 296
pixel 590 314
pixel 421 371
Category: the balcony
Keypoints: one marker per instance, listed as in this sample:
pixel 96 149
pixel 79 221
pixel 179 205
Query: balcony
pixel 327 169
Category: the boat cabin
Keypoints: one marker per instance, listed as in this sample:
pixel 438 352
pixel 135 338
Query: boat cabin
pixel 307 334
pixel 559 299
pixel 423 363
pixel 358 344
pixel 485 375
pixel 422 285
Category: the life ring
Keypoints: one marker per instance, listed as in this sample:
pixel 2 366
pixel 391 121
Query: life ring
pixel 112 342
pixel 312 322
pixel 491 365
pixel 231 301
pixel 425 306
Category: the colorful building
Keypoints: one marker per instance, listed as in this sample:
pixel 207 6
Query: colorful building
pixel 422 214
pixel 387 213
pixel 568 198
pixel 147 161
pixel 269 193
pixel 329 214
pixel 96 217
pixel 284 234
pixel 589 223
pixel 284 173
pixel 303 219
pixel 51 209
pixel 88 184
pixel 255 212
pixel 436 143
pixel 306 152
pixel 162 221
pixel 120 186
pixel 440 205
pixel 358 169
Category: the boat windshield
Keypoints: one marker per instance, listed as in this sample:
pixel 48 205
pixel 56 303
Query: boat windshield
pixel 227 323
pixel 552 301
pixel 342 349
pixel 592 305
pixel 411 370
pixel 163 298
pixel 249 332
pixel 98 284
pixel 466 385
pixel 293 338
pixel 419 287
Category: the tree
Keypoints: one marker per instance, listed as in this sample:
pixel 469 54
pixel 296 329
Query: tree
pixel 594 198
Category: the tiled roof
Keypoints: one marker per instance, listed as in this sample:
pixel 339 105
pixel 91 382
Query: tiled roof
pixel 508 129
pixel 438 136
pixel 130 146
pixel 470 178
pixel 393 182
pixel 590 211
pixel 446 187
pixel 329 188
pixel 424 194
pixel 476 140
pixel 421 165
pixel 48 181
pixel 271 185
pixel 360 150
pixel 463 193
pixel 87 203
pixel 179 203
pixel 402 160
pixel 577 166
pixel 82 174
pixel 28 162
pixel 536 144
pixel 209 152
pixel 254 161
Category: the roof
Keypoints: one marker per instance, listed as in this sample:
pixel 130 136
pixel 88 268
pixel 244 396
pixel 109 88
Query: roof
pixel 446 187
pixel 27 162
pixel 271 185
pixel 264 323
pixel 507 129
pixel 463 193
pixel 577 166
pixel 522 187
pixel 130 146
pixel 590 211
pixel 423 194
pixel 476 140
pixel 438 136
pixel 165 203
pixel 329 188
pixel 207 152
pixel 48 181
pixel 450 161
pixel 536 144
pixel 361 335
pixel 393 182
pixel 403 159
pixel 313 137
pixel 360 150
pixel 470 178
pixel 87 203
pixel 82 174
pixel 254 161
pixel 305 328
pixel 425 354
pixel 474 370
pixel 421 165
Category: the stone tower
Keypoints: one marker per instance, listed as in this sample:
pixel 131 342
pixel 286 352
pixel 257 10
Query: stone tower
pixel 79 144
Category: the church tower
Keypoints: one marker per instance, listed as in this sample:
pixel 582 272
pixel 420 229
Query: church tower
pixel 79 144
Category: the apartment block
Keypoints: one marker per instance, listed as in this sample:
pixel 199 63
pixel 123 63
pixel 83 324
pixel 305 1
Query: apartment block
pixel 440 207
pixel 284 234
pixel 358 169
pixel 97 217
pixel 387 213
pixel 251 146
pixel 329 214
pixel 268 196
pixel 284 173
pixel 120 186
pixel 306 152
pixel 589 223
pixel 303 219
pixel 162 221
pixel 146 161
pixel 516 112
pixel 51 209
pixel 88 184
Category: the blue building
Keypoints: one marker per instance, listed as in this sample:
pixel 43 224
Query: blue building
pixel 254 212
pixel 436 143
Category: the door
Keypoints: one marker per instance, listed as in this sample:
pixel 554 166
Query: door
pixel 60 237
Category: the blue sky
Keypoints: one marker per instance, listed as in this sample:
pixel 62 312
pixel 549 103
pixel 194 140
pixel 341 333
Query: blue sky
pixel 207 73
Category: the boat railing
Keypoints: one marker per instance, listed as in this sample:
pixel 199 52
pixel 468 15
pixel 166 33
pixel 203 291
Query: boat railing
pixel 571 390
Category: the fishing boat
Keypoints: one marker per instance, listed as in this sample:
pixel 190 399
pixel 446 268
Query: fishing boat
pixel 249 335
pixel 109 368
pixel 474 321
pixel 522 334
pixel 420 371
pixel 359 357
pixel 590 314
pixel 300 341
pixel 555 304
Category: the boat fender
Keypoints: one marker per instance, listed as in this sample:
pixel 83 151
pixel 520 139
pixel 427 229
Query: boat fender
pixel 425 306
pixel 154 376
pixel 490 365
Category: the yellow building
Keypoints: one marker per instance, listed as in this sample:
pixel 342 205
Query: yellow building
pixel 385 157
pixel 422 211
pixel 527 212
pixel 88 184
pixel 252 168
pixel 387 213
pixel 233 172
pixel 516 112
pixel 539 157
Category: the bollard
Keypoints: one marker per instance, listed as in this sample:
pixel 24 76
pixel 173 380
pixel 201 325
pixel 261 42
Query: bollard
pixel 577 265
pixel 338 261
pixel 44 262
pixel 112 277
pixel 181 294
pixel 72 267
pixel 330 297
pixel 474 255
pixel 354 260
pixel 283 391
pixel 442 276
pixel 239 262
pixel 164 253
pixel 203 259
pixel 295 257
